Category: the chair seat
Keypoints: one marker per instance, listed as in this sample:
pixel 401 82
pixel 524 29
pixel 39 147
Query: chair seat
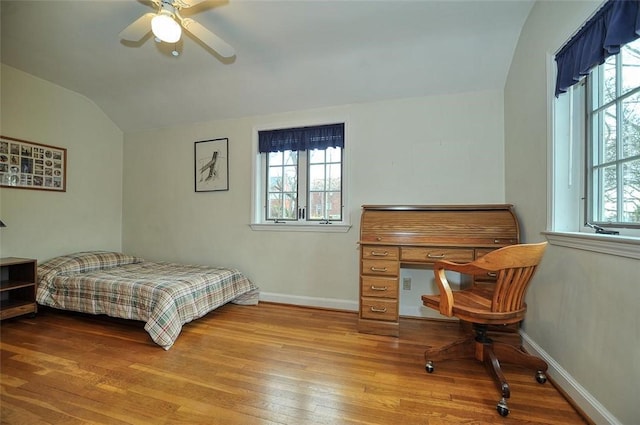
pixel 474 305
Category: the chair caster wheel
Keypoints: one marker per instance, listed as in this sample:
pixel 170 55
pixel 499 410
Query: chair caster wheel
pixel 502 408
pixel 429 367
pixel 541 377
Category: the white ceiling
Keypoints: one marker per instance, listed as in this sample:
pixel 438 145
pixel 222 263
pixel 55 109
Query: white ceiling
pixel 290 55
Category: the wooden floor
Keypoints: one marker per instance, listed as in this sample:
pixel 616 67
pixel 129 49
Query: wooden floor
pixel 265 364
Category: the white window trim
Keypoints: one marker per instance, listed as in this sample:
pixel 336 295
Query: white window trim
pixel 290 227
pixel 256 189
pixel 618 245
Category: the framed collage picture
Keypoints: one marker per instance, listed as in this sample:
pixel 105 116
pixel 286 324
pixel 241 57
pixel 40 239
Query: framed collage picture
pixel 30 165
pixel 211 165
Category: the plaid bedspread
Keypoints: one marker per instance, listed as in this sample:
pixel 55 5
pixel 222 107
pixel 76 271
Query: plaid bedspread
pixel 164 295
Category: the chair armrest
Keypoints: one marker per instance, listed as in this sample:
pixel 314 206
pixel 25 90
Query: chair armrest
pixel 446 294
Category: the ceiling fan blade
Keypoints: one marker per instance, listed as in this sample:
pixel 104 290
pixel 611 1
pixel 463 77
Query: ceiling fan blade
pixel 138 29
pixel 208 38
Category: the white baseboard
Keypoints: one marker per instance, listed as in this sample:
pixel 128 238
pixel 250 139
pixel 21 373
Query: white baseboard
pixel 589 404
pixel 332 303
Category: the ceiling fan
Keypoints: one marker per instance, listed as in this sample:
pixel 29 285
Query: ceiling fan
pixel 166 25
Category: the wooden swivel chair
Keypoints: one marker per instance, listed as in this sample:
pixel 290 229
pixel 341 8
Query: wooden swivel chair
pixel 485 304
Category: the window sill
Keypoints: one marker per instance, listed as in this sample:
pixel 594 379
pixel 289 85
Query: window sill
pixel 622 246
pixel 284 227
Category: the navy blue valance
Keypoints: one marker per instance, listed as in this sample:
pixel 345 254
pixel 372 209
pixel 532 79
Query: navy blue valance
pixel 615 24
pixel 301 138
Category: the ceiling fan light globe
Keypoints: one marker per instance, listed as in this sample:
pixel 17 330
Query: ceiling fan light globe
pixel 166 28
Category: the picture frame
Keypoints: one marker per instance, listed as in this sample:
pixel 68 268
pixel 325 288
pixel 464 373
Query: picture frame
pixel 31 165
pixel 211 165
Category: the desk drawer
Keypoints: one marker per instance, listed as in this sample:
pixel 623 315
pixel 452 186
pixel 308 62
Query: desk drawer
pixel 379 309
pixel 433 254
pixel 379 287
pixel 380 267
pixel 380 252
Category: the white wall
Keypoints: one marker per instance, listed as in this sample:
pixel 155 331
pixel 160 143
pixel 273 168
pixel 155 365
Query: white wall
pixel 436 150
pixel 88 215
pixel 582 305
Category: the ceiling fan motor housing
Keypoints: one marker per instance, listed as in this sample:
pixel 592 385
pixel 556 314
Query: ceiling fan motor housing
pixel 164 26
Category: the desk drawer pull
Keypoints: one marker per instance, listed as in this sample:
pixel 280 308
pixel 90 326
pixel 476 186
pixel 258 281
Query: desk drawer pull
pixel 435 255
pixel 378 269
pixel 379 288
pixel 379 254
pixel 378 310
pixel 492 274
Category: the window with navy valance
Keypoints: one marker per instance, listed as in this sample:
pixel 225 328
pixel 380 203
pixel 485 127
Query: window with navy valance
pixel 615 24
pixel 301 138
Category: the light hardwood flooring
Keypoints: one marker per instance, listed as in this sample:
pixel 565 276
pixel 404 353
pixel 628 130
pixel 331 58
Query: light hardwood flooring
pixel 265 364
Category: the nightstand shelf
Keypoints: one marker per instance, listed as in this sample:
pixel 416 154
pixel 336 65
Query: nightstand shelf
pixel 17 287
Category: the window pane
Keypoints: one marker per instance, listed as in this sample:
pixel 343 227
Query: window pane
pixel 631 126
pixel 275 179
pixel 290 183
pixel 608 80
pixel 316 209
pixel 275 158
pixel 325 205
pixel 630 57
pixel 334 155
pixel 334 177
pixel 316 156
pixel 290 157
pixel 282 206
pixel 606 195
pixel 275 205
pixel 604 136
pixel 290 206
pixel 631 191
pixel 317 177
pixel 333 206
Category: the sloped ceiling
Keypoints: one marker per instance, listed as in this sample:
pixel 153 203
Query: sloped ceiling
pixel 290 55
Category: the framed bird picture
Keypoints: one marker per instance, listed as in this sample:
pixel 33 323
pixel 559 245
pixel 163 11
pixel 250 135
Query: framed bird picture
pixel 211 165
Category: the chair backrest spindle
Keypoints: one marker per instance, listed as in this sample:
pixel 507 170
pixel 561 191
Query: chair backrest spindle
pixel 511 288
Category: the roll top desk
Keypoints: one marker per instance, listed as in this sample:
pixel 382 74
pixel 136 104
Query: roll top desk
pixel 420 235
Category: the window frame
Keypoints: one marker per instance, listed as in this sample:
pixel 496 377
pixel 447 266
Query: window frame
pixel 592 165
pixel 259 188
pixel 576 234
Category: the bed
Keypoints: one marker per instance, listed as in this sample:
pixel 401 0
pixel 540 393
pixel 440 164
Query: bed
pixel 164 295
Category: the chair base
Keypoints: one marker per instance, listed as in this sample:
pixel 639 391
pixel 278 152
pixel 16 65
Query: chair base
pixel 491 353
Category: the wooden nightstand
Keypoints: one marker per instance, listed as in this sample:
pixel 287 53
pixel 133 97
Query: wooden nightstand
pixel 17 287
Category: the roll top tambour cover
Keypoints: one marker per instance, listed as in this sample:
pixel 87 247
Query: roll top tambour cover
pixel 442 225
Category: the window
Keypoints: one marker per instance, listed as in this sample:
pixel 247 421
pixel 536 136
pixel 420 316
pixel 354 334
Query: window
pixel 597 149
pixel 614 151
pixel 322 199
pixel 595 143
pixel 299 178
